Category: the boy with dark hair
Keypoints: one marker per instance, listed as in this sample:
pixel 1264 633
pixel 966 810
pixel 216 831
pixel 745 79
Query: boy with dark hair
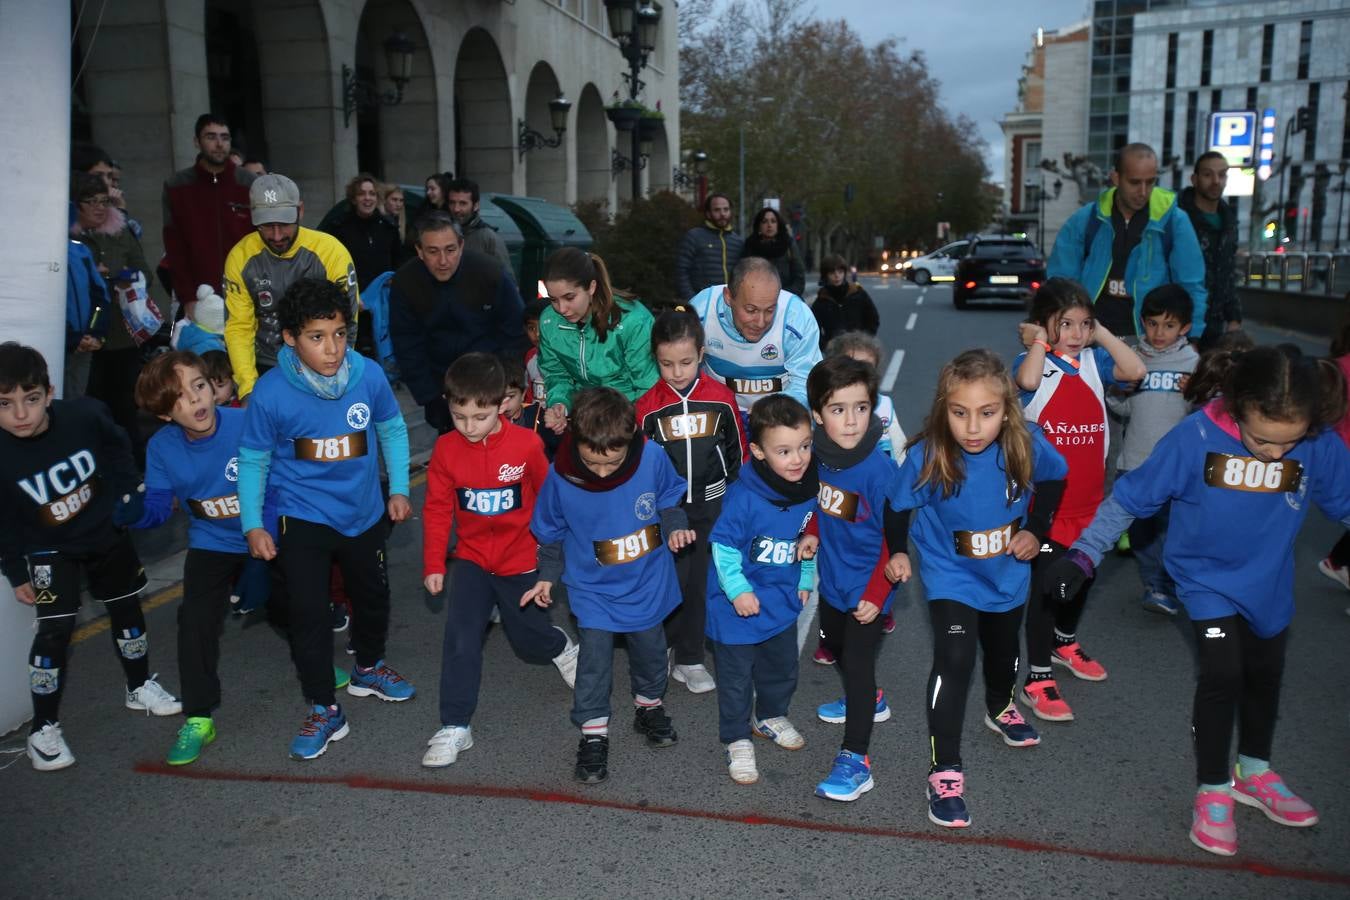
pixel 1150 411
pixel 608 510
pixel 63 464
pixel 312 429
pixel 534 308
pixel 483 480
pixel 520 411
pixel 216 367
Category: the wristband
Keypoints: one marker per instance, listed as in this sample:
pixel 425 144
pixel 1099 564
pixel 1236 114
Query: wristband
pixel 1045 345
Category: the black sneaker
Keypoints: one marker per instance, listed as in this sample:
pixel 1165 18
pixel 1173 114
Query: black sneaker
pixel 653 723
pixel 340 618
pixel 592 759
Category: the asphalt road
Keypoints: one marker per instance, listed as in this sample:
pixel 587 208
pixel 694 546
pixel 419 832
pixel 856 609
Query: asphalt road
pixel 1102 806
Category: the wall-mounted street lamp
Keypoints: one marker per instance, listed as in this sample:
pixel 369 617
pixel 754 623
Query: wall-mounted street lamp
pixel 683 178
pixel 357 93
pixel 528 139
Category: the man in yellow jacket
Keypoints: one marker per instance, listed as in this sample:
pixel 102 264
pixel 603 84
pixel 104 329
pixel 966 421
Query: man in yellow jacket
pixel 263 264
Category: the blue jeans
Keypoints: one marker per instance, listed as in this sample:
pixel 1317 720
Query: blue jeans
pixel 762 676
pixel 595 670
pixel 1146 540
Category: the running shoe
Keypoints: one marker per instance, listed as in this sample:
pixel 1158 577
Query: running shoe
pixel 1268 793
pixel 1072 657
pixel 782 732
pixel 887 623
pixel 196 733
pixel 1212 825
pixel 323 725
pixel 652 723
pixel 741 762
pixel 381 681
pixel 1015 730
pixel 1123 545
pixel 47 749
pixel 1044 700
pixel 836 712
pixel 695 677
pixel 946 800
pixel 566 661
pixel 153 699
pixel 1338 574
pixel 823 656
pixel 850 777
pixel 341 678
pixel 340 618
pixel 1158 602
pixel 592 759
pixel 445 746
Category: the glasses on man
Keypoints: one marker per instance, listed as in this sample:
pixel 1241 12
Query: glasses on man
pixel 97 201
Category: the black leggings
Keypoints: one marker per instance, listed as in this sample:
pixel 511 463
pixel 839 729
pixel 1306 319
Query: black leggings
pixel 956 627
pixel 685 625
pixel 1240 676
pixel 854 646
pixel 51 646
pixel 1340 553
pixel 1044 615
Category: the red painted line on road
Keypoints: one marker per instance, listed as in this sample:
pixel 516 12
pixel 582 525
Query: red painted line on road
pixel 535 795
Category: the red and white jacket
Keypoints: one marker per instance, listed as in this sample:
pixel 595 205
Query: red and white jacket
pixel 490 487
pixel 702 432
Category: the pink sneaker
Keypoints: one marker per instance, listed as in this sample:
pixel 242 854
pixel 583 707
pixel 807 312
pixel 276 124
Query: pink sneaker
pixel 1212 825
pixel 1267 792
pixel 1079 663
pixel 1043 698
pixel 823 656
pixel 1338 574
pixel 887 623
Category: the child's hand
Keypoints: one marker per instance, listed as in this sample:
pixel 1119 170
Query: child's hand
pixel 746 604
pixel 24 594
pixel 866 612
pixel 1024 545
pixel 555 418
pixel 1029 333
pixel 540 595
pixel 804 596
pixel 681 539
pixel 399 508
pixel 897 568
pixel 260 545
pixel 1182 381
pixel 434 583
pixel 807 545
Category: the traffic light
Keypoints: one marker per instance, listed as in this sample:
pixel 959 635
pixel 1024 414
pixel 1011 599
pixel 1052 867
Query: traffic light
pixel 1290 222
pixel 1303 119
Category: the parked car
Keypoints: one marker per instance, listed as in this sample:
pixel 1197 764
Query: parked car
pixel 940 265
pixel 998 267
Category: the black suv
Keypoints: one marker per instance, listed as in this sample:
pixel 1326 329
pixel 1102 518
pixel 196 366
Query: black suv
pixel 998 267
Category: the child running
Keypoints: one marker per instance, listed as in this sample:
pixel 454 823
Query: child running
pixel 64 464
pixel 760 585
pixel 971 475
pixel 606 513
pixel 518 408
pixel 1240 475
pixel 1063 378
pixel 695 419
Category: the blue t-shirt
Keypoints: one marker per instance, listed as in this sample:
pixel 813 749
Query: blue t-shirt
pixel 962 540
pixel 763 534
pixel 202 474
pixel 1106 367
pixel 620 575
pixel 852 529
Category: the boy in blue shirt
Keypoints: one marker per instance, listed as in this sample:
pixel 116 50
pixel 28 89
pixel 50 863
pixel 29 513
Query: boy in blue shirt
pixel 609 508
pixel 312 429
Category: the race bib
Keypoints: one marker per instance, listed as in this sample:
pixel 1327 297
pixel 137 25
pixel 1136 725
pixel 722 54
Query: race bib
pixel 1249 474
pixel 620 550
pixel 333 449
pixel 1115 287
pixel 689 425
pixel 985 544
pixel 490 501
pixel 1163 381
pixel 226 507
pixel 838 502
pixel 769 551
pixel 63 509
pixel 756 385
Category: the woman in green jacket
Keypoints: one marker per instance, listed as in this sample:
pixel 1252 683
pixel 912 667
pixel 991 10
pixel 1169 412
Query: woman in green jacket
pixel 588 337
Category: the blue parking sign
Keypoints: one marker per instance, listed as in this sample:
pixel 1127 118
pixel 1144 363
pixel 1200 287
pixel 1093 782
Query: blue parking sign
pixel 1234 135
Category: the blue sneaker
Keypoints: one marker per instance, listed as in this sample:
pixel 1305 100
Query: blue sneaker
pixel 381 681
pixel 1013 728
pixel 835 712
pixel 946 805
pixel 1158 602
pixel 324 724
pixel 850 777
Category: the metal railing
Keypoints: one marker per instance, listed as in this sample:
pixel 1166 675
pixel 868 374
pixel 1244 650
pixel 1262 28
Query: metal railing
pixel 1327 274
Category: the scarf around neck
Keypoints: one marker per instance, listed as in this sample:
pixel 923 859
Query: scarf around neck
pixel 325 387
pixel 836 457
pixel 569 465
pixel 789 492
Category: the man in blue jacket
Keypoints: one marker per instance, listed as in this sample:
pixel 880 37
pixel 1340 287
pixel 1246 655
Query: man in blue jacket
pixel 1128 241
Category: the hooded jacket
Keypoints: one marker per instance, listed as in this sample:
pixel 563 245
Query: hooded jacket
pixel 205 215
pixel 1219 247
pixel 844 308
pixel 113 245
pixel 705 257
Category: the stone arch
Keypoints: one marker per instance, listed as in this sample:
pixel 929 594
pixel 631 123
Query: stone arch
pixel 396 143
pixel 484 130
pixel 546 167
pixel 592 131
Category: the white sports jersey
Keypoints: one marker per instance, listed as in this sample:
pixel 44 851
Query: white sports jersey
pixel 753 370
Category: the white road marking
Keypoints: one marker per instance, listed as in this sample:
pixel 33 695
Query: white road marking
pixel 919 302
pixel 909 324
pixel 892 371
pixel 883 286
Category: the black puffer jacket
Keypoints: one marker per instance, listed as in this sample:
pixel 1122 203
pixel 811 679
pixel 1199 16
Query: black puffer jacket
pixel 783 254
pixel 846 307
pixel 706 256
pixel 1219 247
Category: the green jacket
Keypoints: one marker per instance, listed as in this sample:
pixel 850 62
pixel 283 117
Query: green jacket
pixel 572 357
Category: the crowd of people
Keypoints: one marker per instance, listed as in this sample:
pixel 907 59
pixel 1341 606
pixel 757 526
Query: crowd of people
pixel 685 480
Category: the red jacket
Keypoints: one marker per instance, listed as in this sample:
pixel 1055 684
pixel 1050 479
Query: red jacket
pixel 205 215
pixel 701 432
pixel 491 487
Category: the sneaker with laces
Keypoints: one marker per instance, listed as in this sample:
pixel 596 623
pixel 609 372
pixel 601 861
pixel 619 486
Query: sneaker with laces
pixel 946 798
pixel 445 746
pixel 696 677
pixel 836 711
pixel 887 623
pixel 1043 699
pixel 1212 825
pixel 741 762
pixel 592 759
pixel 196 733
pixel 652 723
pixel 823 656
pixel 323 725
pixel 1268 793
pixel 1338 574
pixel 47 749
pixel 1015 730
pixel 381 681
pixel 850 777
pixel 1158 602
pixel 1073 658
pixel 779 730
pixel 152 698
pixel 566 661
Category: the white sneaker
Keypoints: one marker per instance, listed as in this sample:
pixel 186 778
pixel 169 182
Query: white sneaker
pixel 1338 574
pixel 566 661
pixel 154 699
pixel 696 678
pixel 741 762
pixel 781 732
pixel 445 746
pixel 47 749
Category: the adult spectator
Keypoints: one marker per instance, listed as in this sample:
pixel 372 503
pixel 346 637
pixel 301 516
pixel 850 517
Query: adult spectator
pixel 1215 226
pixel 708 253
pixel 95 160
pixel 761 339
pixel 369 237
pixel 462 202
pixel 255 165
pixel 842 305
pixel 770 239
pixel 206 212
pixel 87 316
pixel 445 303
pixel 1128 241
pixel 394 206
pixel 268 260
pixel 438 189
